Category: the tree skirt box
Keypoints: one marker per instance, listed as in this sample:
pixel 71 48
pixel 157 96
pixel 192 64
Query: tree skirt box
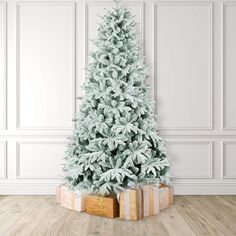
pixel 171 195
pixel 69 199
pixel 164 197
pixel 151 203
pixel 131 204
pixel 102 206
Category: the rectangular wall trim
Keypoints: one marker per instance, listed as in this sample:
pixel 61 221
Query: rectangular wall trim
pixel 210 112
pixel 3 66
pixel 224 165
pixel 3 159
pixel 224 5
pixel 45 143
pixel 200 188
pixel 72 79
pixel 186 143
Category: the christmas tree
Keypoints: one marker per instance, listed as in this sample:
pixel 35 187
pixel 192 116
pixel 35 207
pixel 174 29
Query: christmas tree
pixel 115 144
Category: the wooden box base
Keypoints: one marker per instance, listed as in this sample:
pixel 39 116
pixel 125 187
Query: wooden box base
pixel 109 206
pixel 131 204
pixel 69 199
pixel 102 206
pixel 151 203
pixel 164 197
pixel 171 196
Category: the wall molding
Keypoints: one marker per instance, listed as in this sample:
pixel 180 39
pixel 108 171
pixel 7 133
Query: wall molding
pixel 210 157
pixel 22 174
pixel 201 188
pixel 210 78
pixel 17 188
pixel 3 87
pixel 223 160
pixel 73 87
pixel 19 175
pixel 223 115
pixel 37 135
pixel 65 135
pixel 4 174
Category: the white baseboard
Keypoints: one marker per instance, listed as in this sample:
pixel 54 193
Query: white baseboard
pixel 204 188
pixel 28 188
pixel 179 188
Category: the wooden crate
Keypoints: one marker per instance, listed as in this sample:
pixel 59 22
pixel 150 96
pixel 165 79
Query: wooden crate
pixel 164 196
pixel 171 195
pixel 151 203
pixel 131 204
pixel 69 199
pixel 102 206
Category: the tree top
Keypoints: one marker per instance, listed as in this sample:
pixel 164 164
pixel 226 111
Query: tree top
pixel 117 2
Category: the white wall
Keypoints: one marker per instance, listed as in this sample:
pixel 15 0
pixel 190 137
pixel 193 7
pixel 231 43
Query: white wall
pixel 190 48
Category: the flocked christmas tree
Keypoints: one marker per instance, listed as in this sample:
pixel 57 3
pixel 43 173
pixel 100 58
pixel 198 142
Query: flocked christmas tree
pixel 115 144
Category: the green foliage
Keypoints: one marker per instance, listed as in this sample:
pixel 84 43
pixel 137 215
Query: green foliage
pixel 115 144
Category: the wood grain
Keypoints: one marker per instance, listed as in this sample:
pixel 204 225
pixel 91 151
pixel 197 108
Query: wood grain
pixel 102 206
pixel 189 215
pixel 131 204
pixel 69 199
pixel 164 197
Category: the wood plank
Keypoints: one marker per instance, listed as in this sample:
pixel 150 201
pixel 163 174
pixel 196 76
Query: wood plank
pixel 25 224
pixel 213 213
pixel 108 227
pixel 153 225
pixel 10 201
pixel 13 208
pixel 76 224
pixel 125 227
pixel 194 218
pixel 96 226
pixel 2 197
pixel 226 208
pixel 54 220
pixel 231 199
pixel 174 223
pixel 189 215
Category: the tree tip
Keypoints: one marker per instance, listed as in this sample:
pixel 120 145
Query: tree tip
pixel 117 2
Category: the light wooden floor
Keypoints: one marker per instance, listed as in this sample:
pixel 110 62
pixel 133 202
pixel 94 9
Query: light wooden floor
pixel 190 215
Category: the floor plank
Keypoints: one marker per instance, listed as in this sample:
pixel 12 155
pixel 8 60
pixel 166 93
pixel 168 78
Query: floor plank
pixel 214 213
pixel 28 221
pixel 189 215
pixel 175 223
pixel 52 216
pixel 194 218
pixel 13 208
